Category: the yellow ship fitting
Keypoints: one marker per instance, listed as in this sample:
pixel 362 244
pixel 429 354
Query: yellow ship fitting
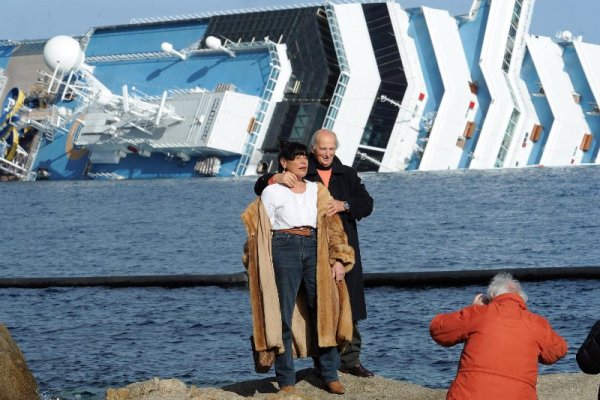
pixel 5 131
pixel 73 153
pixel 12 139
pixel 12 103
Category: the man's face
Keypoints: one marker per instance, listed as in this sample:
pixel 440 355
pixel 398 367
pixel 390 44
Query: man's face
pixel 324 149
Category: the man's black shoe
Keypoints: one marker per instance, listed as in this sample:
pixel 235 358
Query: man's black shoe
pixel 359 371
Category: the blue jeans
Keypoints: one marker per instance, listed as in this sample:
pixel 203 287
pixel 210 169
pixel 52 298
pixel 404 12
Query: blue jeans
pixel 295 262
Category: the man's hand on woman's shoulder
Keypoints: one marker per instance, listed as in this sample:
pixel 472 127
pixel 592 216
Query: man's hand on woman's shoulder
pixel 285 178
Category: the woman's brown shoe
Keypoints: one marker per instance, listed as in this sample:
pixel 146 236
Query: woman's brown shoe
pixel 336 387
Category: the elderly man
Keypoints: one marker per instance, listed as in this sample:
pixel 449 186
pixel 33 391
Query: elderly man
pixel 503 343
pixel 352 202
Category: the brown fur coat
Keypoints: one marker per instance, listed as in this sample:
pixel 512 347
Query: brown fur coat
pixel 334 316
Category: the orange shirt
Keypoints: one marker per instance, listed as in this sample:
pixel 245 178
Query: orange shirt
pixel 325 175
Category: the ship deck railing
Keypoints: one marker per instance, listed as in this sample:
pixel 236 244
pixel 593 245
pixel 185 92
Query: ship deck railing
pixel 208 14
pixel 34 148
pixel 3 79
pixel 344 77
pixel 234 46
pixel 12 168
pixel 261 111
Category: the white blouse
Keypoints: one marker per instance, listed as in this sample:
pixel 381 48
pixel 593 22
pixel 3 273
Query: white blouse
pixel 287 209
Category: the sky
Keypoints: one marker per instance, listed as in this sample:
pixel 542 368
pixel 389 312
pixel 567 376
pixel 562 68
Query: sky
pixel 42 19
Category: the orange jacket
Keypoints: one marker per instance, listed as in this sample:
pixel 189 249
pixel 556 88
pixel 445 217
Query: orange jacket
pixel 503 344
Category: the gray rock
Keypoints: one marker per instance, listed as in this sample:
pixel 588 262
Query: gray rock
pixel 568 386
pixel 309 387
pixel 16 380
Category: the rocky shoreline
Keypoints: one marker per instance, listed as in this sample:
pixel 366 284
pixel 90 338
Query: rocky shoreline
pixel 17 383
pixel 576 386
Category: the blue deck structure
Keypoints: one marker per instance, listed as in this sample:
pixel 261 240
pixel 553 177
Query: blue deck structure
pixel 144 38
pixel 151 75
pixel 61 162
pixel 154 73
pixel 248 71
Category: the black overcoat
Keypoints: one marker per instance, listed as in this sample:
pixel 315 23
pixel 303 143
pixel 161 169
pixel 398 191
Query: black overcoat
pixel 588 355
pixel 344 185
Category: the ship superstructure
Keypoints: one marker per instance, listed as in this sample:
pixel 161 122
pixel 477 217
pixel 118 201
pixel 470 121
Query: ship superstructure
pixel 214 94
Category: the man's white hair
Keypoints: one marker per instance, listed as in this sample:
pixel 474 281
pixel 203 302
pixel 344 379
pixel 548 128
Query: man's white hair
pixel 504 283
pixel 313 139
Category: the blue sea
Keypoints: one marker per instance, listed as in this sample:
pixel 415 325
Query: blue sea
pixel 80 341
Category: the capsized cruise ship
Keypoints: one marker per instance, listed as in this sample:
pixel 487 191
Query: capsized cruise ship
pixel 214 94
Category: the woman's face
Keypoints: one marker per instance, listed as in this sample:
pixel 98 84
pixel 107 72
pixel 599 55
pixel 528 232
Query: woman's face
pixel 298 166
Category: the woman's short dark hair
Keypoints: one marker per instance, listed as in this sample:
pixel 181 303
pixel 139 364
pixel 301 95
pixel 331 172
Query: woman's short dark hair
pixel 289 151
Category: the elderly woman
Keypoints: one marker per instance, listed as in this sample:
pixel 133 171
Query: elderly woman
pixel 296 258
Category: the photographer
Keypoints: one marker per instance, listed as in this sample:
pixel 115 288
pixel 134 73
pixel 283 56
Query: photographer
pixel 503 342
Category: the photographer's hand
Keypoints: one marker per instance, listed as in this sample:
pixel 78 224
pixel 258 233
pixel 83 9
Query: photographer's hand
pixel 480 299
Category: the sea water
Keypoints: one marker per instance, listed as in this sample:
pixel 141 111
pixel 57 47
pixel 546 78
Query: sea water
pixel 80 341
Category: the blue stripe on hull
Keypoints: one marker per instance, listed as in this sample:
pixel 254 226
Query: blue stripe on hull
pixel 134 166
